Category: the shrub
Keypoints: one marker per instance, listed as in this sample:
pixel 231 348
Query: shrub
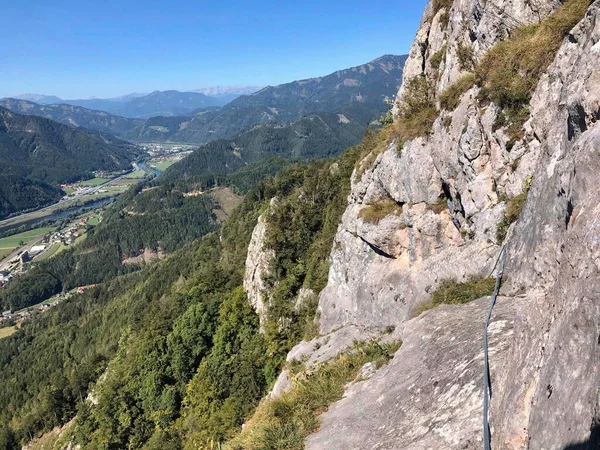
pixel 514 206
pixel 450 98
pixel 510 71
pixel 441 4
pixel 284 422
pixel 387 118
pixel 376 212
pixel 465 57
pixel 418 111
pixel 453 292
pixel 438 58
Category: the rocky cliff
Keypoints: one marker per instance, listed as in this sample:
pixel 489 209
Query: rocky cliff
pixel 453 193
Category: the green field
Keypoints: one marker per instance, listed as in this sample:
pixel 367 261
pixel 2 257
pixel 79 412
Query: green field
pixel 7 331
pixel 94 182
pixel 12 242
pixel 69 191
pixel 94 221
pixel 124 182
pixel 138 174
pixel 4 252
pixel 164 165
pixel 50 252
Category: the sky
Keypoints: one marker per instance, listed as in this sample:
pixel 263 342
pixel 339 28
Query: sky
pixel 93 48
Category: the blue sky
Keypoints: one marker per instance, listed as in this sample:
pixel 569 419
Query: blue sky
pixel 79 49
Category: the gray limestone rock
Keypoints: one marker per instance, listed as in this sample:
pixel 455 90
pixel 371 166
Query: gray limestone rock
pixel 429 395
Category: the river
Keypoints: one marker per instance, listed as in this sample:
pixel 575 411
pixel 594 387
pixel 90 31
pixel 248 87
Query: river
pixel 57 215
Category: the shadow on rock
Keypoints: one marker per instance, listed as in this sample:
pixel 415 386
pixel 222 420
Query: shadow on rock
pixel 593 443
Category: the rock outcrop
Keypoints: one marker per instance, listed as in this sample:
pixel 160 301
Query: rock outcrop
pixel 257 267
pixel 546 329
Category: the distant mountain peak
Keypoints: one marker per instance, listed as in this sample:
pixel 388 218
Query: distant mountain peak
pixel 220 91
pixel 39 98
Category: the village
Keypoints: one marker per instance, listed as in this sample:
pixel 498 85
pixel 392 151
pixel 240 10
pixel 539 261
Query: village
pixel 14 319
pixel 45 247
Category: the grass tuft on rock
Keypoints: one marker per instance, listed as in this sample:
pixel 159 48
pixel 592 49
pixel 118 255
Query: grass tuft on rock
pixel 450 98
pixel 438 5
pixel 284 422
pixel 452 292
pixel 376 212
pixel 417 111
pixel 510 71
pixel 514 206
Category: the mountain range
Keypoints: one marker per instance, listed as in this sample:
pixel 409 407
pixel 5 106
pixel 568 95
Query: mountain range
pixel 367 85
pixel 195 118
pixel 157 103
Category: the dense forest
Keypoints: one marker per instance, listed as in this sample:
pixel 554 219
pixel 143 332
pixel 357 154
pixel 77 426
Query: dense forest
pixel 171 352
pixel 20 193
pixel 314 136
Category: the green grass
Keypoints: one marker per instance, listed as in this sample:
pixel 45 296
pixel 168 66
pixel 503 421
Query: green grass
pixel 163 165
pixel 376 212
pixel 138 174
pixel 94 221
pixel 50 252
pixel 69 191
pixel 4 252
pixel 452 292
pixel 12 242
pixel 94 182
pixel 438 207
pixel 514 206
pixel 284 422
pixel 7 331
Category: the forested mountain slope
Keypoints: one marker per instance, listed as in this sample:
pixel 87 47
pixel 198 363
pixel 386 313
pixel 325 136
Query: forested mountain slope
pixel 75 116
pixel 37 153
pixel 179 341
pixel 315 136
pixel 367 85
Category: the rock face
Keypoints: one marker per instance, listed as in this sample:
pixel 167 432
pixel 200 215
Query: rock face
pixel 545 335
pixel 257 267
pixel 424 398
pixel 555 248
pixel 465 162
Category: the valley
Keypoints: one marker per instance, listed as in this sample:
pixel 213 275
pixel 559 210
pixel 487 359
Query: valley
pixel 310 265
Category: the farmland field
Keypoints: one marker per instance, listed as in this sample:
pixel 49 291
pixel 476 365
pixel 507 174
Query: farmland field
pixel 12 242
pixel 164 165
pixel 94 182
pixel 138 174
pixel 7 331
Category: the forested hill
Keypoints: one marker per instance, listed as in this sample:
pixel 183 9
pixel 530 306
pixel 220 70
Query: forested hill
pixel 36 152
pixel 157 103
pixel 316 135
pixel 367 85
pixel 75 116
pixel 42 149
pixel 178 342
